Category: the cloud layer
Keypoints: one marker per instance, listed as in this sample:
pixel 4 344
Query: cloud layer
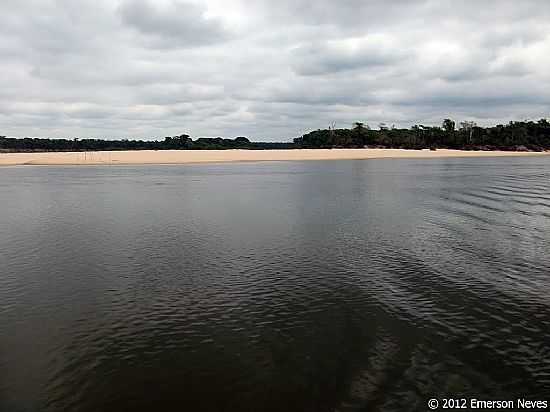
pixel 264 69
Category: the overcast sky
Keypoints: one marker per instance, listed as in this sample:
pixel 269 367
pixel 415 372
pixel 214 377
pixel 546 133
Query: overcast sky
pixel 267 69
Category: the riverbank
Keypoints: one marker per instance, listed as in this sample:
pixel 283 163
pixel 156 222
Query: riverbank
pixel 215 156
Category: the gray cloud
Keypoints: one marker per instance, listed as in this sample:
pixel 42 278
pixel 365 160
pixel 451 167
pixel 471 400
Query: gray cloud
pixel 345 55
pixel 178 24
pixel 269 70
pixel 346 15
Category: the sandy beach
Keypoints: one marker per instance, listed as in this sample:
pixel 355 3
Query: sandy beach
pixel 215 156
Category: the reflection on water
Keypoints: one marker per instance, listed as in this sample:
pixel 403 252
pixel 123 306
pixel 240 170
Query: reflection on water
pixel 300 286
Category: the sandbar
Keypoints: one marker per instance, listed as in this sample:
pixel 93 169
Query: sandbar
pixel 139 157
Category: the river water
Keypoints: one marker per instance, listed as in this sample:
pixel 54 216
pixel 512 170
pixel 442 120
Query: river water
pixel 284 286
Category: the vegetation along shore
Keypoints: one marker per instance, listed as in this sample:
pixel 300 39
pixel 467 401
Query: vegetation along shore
pixel 527 136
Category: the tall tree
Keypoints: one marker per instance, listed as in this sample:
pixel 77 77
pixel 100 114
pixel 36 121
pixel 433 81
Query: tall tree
pixel 468 127
pixel 448 125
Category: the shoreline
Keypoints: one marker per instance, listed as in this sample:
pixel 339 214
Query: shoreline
pixel 166 157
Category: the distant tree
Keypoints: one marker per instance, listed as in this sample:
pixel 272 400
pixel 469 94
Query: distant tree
pixel 448 125
pixel 182 140
pixel 468 127
pixel 242 140
pixel 360 135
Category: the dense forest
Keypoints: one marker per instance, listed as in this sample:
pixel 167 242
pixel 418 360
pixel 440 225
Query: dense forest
pixel 182 142
pixel 523 136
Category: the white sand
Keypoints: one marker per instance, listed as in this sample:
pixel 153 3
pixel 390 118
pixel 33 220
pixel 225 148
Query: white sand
pixel 206 156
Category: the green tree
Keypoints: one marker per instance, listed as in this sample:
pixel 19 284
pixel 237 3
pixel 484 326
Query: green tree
pixel 468 128
pixel 449 125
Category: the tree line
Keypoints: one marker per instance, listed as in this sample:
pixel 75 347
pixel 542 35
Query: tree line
pixel 181 142
pixel 522 136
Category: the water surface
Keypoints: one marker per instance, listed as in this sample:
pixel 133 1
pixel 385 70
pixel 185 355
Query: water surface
pixel 292 286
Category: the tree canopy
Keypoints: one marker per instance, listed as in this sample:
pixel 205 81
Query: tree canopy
pixel 526 135
pixel 181 142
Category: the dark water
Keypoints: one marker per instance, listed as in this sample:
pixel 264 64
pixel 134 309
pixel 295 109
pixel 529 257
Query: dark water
pixel 306 286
